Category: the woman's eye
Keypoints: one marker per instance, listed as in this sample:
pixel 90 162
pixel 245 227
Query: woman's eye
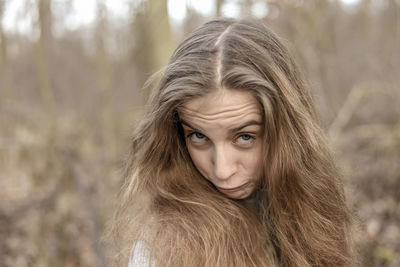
pixel 244 139
pixel 197 137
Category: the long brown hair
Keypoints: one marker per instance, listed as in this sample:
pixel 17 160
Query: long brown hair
pixel 298 216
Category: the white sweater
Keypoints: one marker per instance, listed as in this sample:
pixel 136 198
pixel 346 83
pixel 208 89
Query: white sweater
pixel 139 256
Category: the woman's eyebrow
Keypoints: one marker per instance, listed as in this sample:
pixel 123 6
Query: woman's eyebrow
pixel 189 125
pixel 244 125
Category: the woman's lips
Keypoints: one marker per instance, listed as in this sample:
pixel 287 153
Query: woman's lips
pixel 230 190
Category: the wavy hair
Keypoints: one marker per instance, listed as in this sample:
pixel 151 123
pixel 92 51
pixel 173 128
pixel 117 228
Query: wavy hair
pixel 298 215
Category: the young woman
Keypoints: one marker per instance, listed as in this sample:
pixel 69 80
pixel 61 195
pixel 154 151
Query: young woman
pixel 229 167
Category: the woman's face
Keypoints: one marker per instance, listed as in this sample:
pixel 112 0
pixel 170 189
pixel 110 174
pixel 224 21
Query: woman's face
pixel 223 133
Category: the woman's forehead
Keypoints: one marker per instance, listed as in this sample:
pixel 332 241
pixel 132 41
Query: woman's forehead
pixel 222 102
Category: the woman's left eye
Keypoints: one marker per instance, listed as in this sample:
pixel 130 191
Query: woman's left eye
pixel 244 139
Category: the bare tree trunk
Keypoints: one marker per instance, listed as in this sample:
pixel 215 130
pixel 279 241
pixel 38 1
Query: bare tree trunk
pixel 397 40
pixel 105 73
pixel 43 48
pixel 245 10
pixel 218 7
pixel 161 31
pixel 5 73
pixel 3 38
pixel 153 40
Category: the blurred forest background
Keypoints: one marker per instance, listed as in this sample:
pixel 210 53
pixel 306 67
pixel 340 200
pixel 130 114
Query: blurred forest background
pixel 69 98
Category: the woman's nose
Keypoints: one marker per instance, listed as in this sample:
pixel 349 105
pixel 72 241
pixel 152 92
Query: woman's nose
pixel 223 163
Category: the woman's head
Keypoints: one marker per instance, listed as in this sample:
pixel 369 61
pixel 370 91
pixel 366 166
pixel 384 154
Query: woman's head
pixel 226 58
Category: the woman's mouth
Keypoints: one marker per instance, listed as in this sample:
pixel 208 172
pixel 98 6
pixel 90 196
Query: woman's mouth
pixel 231 190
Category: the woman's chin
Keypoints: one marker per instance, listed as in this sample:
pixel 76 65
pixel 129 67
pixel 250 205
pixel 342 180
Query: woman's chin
pixel 240 194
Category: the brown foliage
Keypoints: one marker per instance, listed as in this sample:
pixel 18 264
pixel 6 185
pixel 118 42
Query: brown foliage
pixel 66 111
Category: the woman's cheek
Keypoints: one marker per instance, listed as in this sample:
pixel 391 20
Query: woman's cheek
pixel 201 161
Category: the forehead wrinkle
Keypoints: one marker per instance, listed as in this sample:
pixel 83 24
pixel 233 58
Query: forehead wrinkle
pixel 227 113
pixel 232 122
pixel 222 118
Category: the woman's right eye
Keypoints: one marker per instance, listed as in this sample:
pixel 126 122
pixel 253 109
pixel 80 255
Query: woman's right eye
pixel 197 137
